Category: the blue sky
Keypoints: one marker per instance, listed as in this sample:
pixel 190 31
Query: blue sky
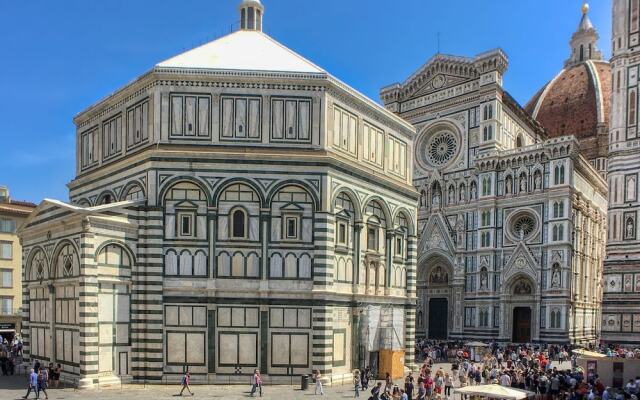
pixel 59 57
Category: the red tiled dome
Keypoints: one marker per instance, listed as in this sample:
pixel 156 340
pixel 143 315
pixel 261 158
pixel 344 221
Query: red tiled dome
pixel 576 102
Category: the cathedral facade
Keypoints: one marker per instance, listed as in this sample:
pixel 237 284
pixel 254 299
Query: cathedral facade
pixel 234 208
pixel 512 222
pixel 621 305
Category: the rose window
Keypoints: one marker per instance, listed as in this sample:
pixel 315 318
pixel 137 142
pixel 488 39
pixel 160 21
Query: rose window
pixel 523 226
pixel 441 148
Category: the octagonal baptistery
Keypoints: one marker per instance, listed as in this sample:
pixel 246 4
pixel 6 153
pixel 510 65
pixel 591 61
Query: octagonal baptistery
pixel 577 100
pixel 236 207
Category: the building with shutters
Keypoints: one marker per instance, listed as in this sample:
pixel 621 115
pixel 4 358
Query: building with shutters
pixel 235 207
pixel 12 215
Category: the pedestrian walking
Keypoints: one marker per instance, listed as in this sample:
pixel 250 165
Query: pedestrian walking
pixel 43 378
pixel 33 384
pixel 356 383
pixel 186 379
pixel 317 377
pixel 256 382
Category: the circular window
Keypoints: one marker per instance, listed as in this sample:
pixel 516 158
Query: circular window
pixel 441 148
pixel 523 226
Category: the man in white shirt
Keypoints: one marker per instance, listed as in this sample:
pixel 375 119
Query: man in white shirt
pixel 505 379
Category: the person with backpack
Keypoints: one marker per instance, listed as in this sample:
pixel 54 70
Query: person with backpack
pixel 186 378
pixel 375 391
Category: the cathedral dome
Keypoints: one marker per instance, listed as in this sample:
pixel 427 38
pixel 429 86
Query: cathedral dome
pixel 576 101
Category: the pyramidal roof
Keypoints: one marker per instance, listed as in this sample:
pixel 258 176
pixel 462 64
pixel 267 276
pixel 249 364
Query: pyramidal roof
pixel 243 50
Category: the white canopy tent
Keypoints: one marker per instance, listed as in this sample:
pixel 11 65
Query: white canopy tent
pixel 494 391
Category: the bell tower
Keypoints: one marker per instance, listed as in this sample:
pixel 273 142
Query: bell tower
pixel 251 12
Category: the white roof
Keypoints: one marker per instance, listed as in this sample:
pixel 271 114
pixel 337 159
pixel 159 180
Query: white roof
pixel 244 50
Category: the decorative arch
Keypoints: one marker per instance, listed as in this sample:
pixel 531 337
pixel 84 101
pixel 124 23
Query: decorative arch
pixel 232 181
pixel 357 206
pixel 520 285
pixel 407 215
pixel 171 182
pixel 38 268
pixel 295 183
pixel 106 197
pixel 427 265
pixel 383 206
pixel 114 258
pixel 133 187
pixel 83 202
pixel 65 262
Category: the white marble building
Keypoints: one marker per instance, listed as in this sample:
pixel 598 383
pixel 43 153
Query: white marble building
pixel 512 225
pixel 235 207
pixel 621 305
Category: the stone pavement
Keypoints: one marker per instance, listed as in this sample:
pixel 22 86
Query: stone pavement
pixel 14 387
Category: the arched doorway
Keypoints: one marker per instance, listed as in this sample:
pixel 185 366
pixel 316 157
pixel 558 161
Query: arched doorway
pixel 521 325
pixel 434 293
pixel 521 311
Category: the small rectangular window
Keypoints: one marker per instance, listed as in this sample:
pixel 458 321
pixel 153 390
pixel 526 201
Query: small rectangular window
pixel 342 233
pixel 291 227
pixel 6 250
pixel 399 250
pixel 7 226
pixel 6 278
pixel 185 227
pixel 372 239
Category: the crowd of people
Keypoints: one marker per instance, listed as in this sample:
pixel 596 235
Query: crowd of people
pixel 10 354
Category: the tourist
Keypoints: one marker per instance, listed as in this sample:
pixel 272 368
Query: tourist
pixel 186 379
pixel 56 375
pixel 448 384
pixel 388 383
pixel 356 382
pixel 33 384
pixel 43 378
pixel 408 386
pixel 318 377
pixel 364 379
pixel 375 392
pixel 256 382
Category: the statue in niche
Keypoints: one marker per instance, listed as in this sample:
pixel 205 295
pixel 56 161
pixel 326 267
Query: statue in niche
pixel 522 287
pixel 630 230
pixel 463 193
pixel 537 181
pixel 555 277
pixel 435 198
pixel 423 199
pixel 484 279
pixel 439 276
pixel 508 184
pixel 631 189
pixel 419 315
pixel 473 191
pixel 523 183
pixel 452 195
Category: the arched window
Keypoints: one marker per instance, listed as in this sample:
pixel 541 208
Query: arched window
pixel 486 186
pixel 558 209
pixel 561 232
pixel 562 174
pixel 519 141
pixel 485 113
pixel 581 52
pixel 555 233
pixel 490 111
pixel 238 224
pixel 558 175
